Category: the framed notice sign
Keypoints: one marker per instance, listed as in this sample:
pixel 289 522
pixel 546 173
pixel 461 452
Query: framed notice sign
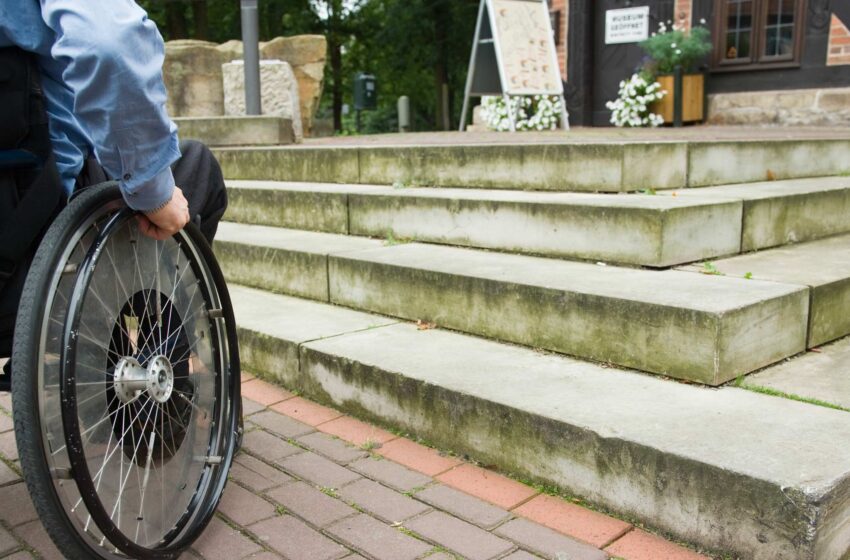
pixel 629 25
pixel 513 53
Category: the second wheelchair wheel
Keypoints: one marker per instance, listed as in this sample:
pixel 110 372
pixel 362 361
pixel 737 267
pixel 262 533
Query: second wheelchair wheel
pixel 125 383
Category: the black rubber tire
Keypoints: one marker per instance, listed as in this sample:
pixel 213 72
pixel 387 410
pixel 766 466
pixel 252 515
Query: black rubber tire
pixel 26 359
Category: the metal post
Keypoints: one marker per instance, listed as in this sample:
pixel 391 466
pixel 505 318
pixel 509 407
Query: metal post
pixel 404 114
pixel 677 97
pixel 251 46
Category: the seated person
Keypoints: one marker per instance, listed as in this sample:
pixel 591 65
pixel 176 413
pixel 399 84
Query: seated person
pixel 102 99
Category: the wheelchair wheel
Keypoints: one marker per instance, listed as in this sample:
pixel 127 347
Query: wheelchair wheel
pixel 125 383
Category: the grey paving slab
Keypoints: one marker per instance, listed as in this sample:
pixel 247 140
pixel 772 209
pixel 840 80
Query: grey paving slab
pixel 256 474
pixel 390 473
pixel 696 327
pixel 318 470
pixel 493 394
pixel 310 504
pixel 822 375
pixel 222 542
pixel 470 541
pixel 463 505
pixel 547 542
pixel 267 446
pixel 823 266
pixel 376 539
pixel 332 447
pixel 281 425
pixel 295 540
pixel 378 500
pixel 243 506
pixel 8 542
pixel 23 511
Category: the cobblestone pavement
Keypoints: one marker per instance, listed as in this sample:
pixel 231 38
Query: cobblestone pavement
pixel 314 484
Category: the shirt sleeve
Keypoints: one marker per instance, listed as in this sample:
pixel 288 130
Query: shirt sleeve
pixel 112 56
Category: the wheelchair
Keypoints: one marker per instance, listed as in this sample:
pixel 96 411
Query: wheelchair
pixel 125 386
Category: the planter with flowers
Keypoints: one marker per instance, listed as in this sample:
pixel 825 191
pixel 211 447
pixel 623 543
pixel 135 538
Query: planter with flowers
pixel 675 51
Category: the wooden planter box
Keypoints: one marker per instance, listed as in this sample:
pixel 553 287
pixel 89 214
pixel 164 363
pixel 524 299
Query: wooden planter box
pixel 693 98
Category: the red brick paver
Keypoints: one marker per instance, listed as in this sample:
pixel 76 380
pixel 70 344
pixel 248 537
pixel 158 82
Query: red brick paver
pixel 640 545
pixel 351 491
pixel 487 485
pixel 570 519
pixel 417 457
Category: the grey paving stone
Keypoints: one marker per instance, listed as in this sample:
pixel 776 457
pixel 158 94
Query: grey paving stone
pixel 377 540
pixel 222 542
pixel 7 475
pixel 297 541
pixel 390 473
pixel 459 536
pixel 243 506
pixel 8 447
pixel 380 501
pixel 23 511
pixel 332 447
pixel 22 555
pixel 257 475
pixel 318 470
pixel 311 504
pixel 250 407
pixel 522 555
pixel 463 505
pixel 281 425
pixel 6 423
pixel 547 542
pixel 269 447
pixel 36 537
pixel 8 543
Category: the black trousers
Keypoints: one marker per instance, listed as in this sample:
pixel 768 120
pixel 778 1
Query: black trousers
pixel 197 173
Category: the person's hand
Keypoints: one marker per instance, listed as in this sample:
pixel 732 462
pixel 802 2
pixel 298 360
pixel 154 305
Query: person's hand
pixel 168 220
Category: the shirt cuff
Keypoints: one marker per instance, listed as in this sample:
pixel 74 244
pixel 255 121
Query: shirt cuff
pixel 152 194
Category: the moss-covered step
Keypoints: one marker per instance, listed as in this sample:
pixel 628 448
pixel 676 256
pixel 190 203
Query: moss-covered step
pixel 597 166
pixel 790 211
pixel 708 329
pixel 823 266
pixel 237 131
pixel 287 261
pixel 750 475
pixel 636 229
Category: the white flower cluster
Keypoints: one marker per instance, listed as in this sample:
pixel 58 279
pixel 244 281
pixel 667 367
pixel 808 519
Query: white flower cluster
pixel 632 107
pixel 537 112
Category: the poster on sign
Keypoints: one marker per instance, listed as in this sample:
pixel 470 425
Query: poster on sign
pixel 513 53
pixel 628 25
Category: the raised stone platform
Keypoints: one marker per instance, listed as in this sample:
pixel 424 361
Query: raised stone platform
pixel 576 161
pixel 707 465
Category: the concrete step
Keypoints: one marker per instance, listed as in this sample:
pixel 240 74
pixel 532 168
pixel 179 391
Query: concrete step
pixel 579 164
pixel 654 231
pixel 702 328
pixel 263 130
pixel 636 229
pixel 780 212
pixel 823 266
pixel 711 466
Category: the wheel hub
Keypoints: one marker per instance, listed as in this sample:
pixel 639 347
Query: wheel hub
pixel 131 378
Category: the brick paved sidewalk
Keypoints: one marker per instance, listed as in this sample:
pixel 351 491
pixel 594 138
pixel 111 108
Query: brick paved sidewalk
pixel 314 484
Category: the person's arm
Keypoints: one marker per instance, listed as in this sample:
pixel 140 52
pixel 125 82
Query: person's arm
pixel 112 56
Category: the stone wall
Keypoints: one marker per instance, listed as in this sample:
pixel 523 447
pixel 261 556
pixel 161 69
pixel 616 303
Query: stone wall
pixel 813 107
pixel 193 75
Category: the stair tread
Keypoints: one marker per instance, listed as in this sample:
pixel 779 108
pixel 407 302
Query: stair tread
pixel 683 420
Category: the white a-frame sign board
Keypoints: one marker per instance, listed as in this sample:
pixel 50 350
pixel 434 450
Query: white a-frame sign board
pixel 513 54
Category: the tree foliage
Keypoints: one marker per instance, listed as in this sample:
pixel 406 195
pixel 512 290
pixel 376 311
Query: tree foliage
pixel 413 47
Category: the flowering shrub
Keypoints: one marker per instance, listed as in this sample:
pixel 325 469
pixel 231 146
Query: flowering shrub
pixel 537 112
pixel 632 107
pixel 673 46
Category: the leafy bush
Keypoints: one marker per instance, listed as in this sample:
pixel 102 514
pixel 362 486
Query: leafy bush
pixel 537 112
pixel 673 46
pixel 631 109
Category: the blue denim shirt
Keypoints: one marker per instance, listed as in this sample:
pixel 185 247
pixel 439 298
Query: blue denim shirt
pixel 101 64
